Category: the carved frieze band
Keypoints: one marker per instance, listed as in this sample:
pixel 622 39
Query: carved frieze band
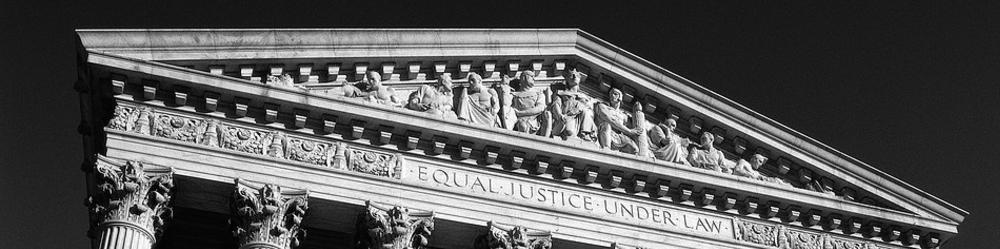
pixel 132 194
pixel 267 217
pixel 516 237
pixel 382 227
pixel 784 237
pixel 254 140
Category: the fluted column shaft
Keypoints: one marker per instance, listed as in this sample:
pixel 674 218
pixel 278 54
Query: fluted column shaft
pixel 124 237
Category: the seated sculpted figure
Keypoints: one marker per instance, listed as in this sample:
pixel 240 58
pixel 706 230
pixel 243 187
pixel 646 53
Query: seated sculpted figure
pixel 708 157
pixel 434 99
pixel 667 144
pixel 612 131
pixel 529 106
pixel 572 115
pixel 479 104
pixel 372 89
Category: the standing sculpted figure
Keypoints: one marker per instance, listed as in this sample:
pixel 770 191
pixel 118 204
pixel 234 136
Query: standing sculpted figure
pixel 529 106
pixel 371 88
pixel 708 157
pixel 572 115
pixel 479 104
pixel 434 99
pixel 506 116
pixel 667 144
pixel 612 131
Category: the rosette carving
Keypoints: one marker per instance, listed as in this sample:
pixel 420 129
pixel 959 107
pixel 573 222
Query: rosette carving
pixel 309 151
pixel 381 227
pixel 267 217
pixel 516 237
pixel 132 194
pixel 375 163
pixel 178 127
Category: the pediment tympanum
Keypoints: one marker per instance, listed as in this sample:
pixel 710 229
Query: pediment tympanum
pixel 558 104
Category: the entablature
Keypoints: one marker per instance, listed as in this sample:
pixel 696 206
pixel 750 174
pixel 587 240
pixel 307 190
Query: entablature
pixel 207 75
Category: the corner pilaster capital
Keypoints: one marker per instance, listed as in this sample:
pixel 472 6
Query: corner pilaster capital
pixel 130 193
pixel 385 227
pixel 265 216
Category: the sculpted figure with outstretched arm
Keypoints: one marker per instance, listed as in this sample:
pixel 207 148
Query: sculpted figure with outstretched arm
pixel 611 129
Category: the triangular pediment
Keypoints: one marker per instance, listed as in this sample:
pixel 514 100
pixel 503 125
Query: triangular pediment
pixel 243 70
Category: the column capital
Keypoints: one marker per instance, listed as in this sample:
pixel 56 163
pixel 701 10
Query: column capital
pixel 385 227
pixel 265 216
pixel 516 237
pixel 130 194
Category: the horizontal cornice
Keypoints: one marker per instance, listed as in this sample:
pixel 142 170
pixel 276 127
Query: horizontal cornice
pixel 126 49
pixel 513 140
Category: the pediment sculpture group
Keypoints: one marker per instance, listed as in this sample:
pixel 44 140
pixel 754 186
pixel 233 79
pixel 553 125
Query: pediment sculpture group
pixel 562 110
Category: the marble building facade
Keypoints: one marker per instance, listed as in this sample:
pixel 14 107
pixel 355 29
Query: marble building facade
pixel 453 138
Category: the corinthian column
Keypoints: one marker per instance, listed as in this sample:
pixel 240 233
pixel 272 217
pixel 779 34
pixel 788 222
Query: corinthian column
pixel 265 217
pixel 381 227
pixel 516 237
pixel 130 204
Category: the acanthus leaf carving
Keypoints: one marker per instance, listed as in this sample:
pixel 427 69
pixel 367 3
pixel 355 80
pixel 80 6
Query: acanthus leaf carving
pixel 133 193
pixel 244 139
pixel 517 237
pixel 374 162
pixel 267 215
pixel 381 227
pixel 124 118
pixel 784 237
pixel 757 233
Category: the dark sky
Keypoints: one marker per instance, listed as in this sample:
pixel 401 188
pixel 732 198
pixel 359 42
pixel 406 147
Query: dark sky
pixel 910 88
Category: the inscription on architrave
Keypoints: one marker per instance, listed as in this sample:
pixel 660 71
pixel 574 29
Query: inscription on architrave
pixel 561 199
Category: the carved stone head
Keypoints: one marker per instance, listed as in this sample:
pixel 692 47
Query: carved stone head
pixel 615 97
pixel 374 79
pixel 670 124
pixel 444 83
pixel 706 139
pixel 526 81
pixel 574 78
pixel 757 160
pixel 475 81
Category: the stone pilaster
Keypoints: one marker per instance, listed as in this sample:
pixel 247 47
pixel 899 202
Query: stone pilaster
pixel 381 227
pixel 265 217
pixel 516 237
pixel 130 205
